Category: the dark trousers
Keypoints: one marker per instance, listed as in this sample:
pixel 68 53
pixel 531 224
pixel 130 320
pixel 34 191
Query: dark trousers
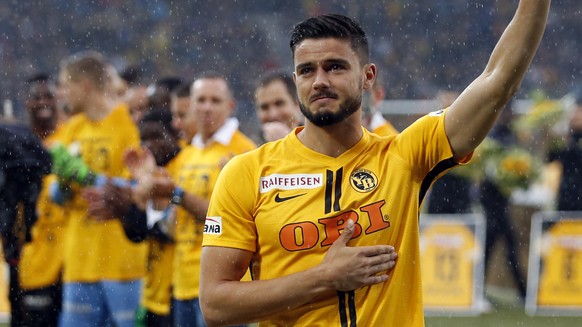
pixel 499 226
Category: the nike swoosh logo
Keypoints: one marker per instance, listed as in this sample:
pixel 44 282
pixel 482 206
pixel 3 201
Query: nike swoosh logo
pixel 279 199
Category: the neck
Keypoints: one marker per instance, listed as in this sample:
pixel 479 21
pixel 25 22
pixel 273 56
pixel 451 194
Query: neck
pixel 332 140
pixel 42 131
pixel 98 107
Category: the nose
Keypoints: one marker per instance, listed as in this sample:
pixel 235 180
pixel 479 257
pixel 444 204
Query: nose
pixel 271 114
pixel 321 80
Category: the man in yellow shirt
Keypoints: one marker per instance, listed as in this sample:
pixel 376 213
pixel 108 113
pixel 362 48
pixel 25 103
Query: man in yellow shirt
pixel 277 106
pixel 217 140
pixel 102 267
pixel 321 215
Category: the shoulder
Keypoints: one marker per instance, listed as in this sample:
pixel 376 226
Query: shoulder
pixel 239 139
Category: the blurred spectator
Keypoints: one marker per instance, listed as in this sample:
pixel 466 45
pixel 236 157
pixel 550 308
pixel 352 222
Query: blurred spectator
pixel 41 263
pixel 182 115
pixel 495 202
pixel 277 106
pixel 181 37
pixel 102 268
pixel 372 118
pixel 569 155
pixel 23 164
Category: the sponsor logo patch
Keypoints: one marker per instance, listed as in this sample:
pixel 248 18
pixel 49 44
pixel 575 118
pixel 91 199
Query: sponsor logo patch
pixel 290 182
pixel 279 198
pixel 213 225
pixel 363 180
pixel 437 113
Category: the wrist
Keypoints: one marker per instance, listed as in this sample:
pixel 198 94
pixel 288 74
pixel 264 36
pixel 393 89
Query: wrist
pixel 177 196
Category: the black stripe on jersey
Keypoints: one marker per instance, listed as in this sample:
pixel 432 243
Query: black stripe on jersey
pixel 328 190
pixel 433 175
pixel 338 188
pixel 351 308
pixel 342 308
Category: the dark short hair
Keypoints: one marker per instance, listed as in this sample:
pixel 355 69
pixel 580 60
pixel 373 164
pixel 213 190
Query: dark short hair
pixel 182 90
pixel 164 117
pixel 284 77
pixel 170 82
pixel 38 77
pixel 332 26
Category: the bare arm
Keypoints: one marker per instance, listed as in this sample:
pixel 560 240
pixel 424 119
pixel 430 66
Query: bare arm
pixel 226 300
pixel 473 114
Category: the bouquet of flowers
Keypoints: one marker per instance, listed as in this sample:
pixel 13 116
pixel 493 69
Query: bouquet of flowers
pixel 510 168
pixel 544 114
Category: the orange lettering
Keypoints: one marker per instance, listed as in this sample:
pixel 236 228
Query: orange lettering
pixel 376 217
pixel 334 225
pixel 299 236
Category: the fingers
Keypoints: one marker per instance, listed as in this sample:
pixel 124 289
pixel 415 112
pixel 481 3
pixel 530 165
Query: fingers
pixel 346 234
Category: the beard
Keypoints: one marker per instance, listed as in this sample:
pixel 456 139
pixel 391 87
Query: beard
pixel 327 117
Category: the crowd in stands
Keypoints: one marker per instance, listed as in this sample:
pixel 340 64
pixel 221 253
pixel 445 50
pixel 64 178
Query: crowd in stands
pixel 420 46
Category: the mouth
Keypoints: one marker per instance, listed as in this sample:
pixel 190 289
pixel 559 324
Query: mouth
pixel 43 113
pixel 322 97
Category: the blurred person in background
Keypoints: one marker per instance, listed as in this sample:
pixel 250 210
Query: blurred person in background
pixel 159 93
pixel 569 156
pixel 103 269
pixel 182 115
pixel 277 106
pixel 24 163
pixel 190 186
pixel 41 263
pixel 495 201
pixel 372 117
pixel 150 219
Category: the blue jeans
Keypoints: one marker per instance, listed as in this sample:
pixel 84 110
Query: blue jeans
pixel 187 313
pixel 104 303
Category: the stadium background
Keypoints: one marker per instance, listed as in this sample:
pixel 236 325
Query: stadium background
pixel 420 46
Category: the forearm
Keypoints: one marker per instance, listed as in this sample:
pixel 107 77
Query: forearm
pixel 476 110
pixel 195 205
pixel 227 300
pixel 236 302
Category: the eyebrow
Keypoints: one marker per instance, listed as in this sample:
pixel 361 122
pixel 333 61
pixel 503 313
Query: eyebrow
pixel 325 62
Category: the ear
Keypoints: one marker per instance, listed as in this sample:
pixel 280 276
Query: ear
pixel 232 106
pixel 369 76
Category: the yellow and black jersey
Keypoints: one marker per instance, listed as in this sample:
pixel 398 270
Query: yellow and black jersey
pixel 97 250
pixel 298 201
pixel 197 173
pixel 41 259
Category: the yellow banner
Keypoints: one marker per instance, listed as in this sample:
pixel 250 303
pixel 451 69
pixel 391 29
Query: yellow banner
pixel 560 281
pixel 448 253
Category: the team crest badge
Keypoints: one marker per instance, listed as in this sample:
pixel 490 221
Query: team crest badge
pixel 363 180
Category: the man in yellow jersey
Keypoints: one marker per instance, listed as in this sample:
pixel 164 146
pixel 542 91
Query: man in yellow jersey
pixel 322 215
pixel 277 106
pixel 102 267
pixel 372 118
pixel 217 140
pixel 149 219
pixel 182 116
pixel 41 260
